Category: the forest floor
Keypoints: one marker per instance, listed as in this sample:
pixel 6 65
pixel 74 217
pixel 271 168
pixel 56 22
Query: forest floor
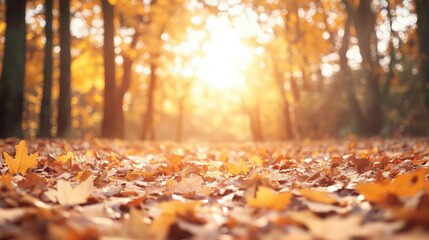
pixel 111 189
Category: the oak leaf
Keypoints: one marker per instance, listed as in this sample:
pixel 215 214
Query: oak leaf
pixel 22 160
pixel 269 198
pixel 67 195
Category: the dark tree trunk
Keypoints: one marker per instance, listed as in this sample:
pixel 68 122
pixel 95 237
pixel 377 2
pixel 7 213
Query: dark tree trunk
pixel 347 80
pixel 148 128
pixel 13 72
pixel 364 21
pixel 64 102
pixel 109 128
pixel 422 9
pixel 45 112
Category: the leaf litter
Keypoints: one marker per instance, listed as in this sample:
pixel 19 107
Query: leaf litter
pixel 111 189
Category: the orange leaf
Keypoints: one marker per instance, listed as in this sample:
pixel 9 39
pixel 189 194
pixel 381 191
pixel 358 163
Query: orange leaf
pixel 237 168
pixel 318 196
pixel 22 160
pixel 66 157
pixel 269 198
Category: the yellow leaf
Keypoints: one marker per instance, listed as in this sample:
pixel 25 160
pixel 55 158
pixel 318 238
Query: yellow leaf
pixel 405 185
pixel 174 161
pixel 318 196
pixel 237 168
pixel 22 160
pixel 269 198
pixel 66 157
pixel 67 195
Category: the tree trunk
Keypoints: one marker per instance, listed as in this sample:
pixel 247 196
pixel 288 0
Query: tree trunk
pixel 364 21
pixel 148 128
pixel 255 124
pixel 286 106
pixel 64 102
pixel 45 112
pixel 109 128
pixel 180 116
pixel 422 9
pixel 347 80
pixel 13 72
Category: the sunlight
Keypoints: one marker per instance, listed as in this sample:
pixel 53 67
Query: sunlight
pixel 225 59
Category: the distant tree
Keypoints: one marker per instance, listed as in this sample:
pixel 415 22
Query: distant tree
pixel 13 72
pixel 45 112
pixel 64 102
pixel 422 9
pixel 109 128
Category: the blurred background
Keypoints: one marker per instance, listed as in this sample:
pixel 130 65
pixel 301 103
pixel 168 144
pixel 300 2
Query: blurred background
pixel 214 70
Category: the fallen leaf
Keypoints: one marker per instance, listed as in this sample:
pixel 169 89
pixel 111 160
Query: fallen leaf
pixel 66 157
pixel 269 198
pixel 22 160
pixel 318 196
pixel 237 168
pixel 67 195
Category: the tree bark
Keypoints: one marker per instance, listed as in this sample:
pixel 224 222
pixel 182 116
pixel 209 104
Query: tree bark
pixel 422 9
pixel 45 112
pixel 347 81
pixel 148 131
pixel 13 71
pixel 64 103
pixel 109 128
pixel 364 21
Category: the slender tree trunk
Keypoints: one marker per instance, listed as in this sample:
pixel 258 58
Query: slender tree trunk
pixel 64 102
pixel 13 72
pixel 422 9
pixel 255 124
pixel 110 126
pixel 347 80
pixel 286 106
pixel 148 128
pixel 180 116
pixel 45 112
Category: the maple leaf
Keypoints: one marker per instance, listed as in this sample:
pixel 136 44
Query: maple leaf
pixel 66 157
pixel 269 198
pixel 22 160
pixel 67 195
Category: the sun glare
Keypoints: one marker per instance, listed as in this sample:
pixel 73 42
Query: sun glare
pixel 225 60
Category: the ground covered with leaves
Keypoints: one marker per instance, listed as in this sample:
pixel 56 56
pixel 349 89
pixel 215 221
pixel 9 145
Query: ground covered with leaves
pixel 99 189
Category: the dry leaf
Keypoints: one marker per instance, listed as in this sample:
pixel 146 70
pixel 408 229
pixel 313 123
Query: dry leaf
pixel 318 196
pixel 405 185
pixel 66 157
pixel 67 195
pixel 269 198
pixel 22 160
pixel 237 168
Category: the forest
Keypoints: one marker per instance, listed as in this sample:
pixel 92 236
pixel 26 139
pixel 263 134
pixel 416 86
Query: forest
pixel 184 70
pixel 214 119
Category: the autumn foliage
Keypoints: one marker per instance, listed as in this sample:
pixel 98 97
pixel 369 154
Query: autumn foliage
pixel 299 190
